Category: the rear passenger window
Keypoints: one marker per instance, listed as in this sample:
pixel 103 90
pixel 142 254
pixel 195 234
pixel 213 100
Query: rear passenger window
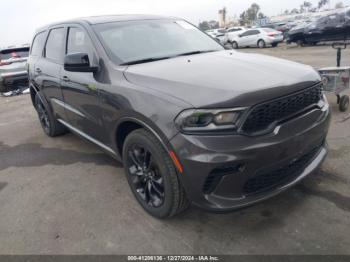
pixel 55 45
pixel 38 44
pixel 78 41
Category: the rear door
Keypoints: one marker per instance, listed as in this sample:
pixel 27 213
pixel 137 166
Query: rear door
pixel 47 70
pixel 36 53
pixel 249 38
pixel 253 38
pixel 80 89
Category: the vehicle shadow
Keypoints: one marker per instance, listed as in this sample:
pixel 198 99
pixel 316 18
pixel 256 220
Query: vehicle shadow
pixel 34 155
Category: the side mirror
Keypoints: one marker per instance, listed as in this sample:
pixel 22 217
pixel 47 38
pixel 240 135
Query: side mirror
pixel 78 62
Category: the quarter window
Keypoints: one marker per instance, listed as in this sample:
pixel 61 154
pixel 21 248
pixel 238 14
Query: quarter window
pixel 55 44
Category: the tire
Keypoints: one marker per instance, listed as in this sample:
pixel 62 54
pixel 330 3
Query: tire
pixel 274 44
pixel 234 45
pixel 152 175
pixel 344 103
pixel 261 43
pixel 48 122
pixel 301 43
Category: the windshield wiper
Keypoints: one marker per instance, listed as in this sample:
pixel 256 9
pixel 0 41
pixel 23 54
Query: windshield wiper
pixel 152 59
pixel 146 60
pixel 197 52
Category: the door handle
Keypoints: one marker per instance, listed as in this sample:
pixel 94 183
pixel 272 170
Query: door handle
pixel 65 79
pixel 38 70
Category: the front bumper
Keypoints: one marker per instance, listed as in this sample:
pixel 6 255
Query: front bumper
pixel 13 81
pixel 229 172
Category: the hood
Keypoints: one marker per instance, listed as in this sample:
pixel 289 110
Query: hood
pixel 223 79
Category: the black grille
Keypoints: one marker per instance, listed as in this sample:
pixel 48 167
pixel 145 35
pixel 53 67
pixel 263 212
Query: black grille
pixel 215 176
pixel 264 115
pixel 267 181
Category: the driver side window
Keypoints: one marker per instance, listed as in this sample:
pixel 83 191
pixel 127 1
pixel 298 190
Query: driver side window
pixel 78 42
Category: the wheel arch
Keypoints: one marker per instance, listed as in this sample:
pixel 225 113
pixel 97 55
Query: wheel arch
pixel 128 124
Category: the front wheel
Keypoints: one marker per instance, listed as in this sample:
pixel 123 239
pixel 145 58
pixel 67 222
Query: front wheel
pixel 152 175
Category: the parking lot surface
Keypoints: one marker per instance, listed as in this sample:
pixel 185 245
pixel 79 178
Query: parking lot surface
pixel 64 196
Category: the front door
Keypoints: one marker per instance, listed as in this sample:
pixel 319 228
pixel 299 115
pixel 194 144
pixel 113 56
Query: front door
pixel 80 89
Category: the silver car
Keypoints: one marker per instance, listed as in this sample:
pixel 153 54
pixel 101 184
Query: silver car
pixel 257 37
pixel 13 71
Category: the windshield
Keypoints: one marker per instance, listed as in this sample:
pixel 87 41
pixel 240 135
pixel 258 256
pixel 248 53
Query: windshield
pixel 130 41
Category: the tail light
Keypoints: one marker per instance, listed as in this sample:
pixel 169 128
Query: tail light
pixel 271 34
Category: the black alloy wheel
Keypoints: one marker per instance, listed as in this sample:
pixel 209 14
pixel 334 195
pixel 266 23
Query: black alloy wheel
pixel 152 175
pixel 43 116
pixel 146 178
pixel 47 120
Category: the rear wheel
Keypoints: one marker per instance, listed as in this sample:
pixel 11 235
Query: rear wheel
pixel 234 45
pixel 274 44
pixel 48 122
pixel 301 43
pixel 152 175
pixel 344 103
pixel 261 44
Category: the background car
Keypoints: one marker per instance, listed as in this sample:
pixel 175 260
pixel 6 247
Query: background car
pixel 257 37
pixel 233 32
pixel 13 71
pixel 332 27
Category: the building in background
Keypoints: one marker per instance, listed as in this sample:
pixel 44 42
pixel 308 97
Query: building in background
pixel 222 17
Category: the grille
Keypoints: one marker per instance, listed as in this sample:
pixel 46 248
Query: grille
pixel 264 115
pixel 215 176
pixel 270 180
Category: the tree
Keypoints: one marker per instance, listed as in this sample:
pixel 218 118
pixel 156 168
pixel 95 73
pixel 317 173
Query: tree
pixel 339 5
pixel 294 11
pixel 307 5
pixel 286 12
pixel 261 16
pixel 213 24
pixel 204 26
pixel 322 3
pixel 251 14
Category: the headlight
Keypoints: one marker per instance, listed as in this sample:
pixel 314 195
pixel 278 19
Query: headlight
pixel 205 120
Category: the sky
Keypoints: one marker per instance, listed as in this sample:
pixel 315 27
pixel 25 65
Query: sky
pixel 20 18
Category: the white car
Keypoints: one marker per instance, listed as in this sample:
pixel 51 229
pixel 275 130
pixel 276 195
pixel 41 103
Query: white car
pixel 218 34
pixel 233 32
pixel 257 37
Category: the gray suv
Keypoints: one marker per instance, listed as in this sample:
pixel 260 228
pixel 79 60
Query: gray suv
pixel 191 122
pixel 13 70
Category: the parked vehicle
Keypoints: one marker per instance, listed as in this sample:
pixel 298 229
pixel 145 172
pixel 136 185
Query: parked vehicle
pixel 257 37
pixel 332 27
pixel 221 38
pixel 281 27
pixel 191 122
pixel 233 32
pixel 13 71
pixel 214 32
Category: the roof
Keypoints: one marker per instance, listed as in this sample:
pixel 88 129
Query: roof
pixel 14 47
pixel 92 20
pixel 120 18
